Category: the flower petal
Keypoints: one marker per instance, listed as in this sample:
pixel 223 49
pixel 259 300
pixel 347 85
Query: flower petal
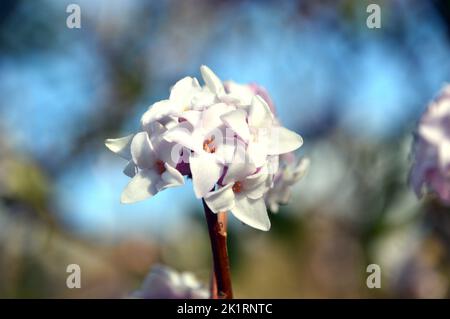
pixel 241 92
pixel 226 150
pixel 259 113
pixel 220 200
pixel 170 178
pixel 203 99
pixel 285 195
pixel 193 117
pixel 273 164
pixel 274 207
pixel 212 81
pixel 211 117
pixel 140 187
pixel 251 212
pixel 181 134
pixel 160 111
pixel 205 172
pixel 142 151
pixel 182 91
pixel 257 153
pixel 300 169
pixel 130 170
pixel 432 133
pixel 238 170
pixel 283 141
pixel 120 146
pixel 256 185
pixel 237 121
pixel 444 154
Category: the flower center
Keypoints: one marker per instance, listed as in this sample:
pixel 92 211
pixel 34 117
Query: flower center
pixel 237 187
pixel 208 145
pixel 159 166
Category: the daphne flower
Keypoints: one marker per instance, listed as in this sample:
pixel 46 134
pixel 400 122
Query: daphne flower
pixel 164 283
pixel 206 138
pixel 430 170
pixel 254 121
pixel 291 172
pixel 156 169
pixel 186 95
pixel 242 194
pixel 259 129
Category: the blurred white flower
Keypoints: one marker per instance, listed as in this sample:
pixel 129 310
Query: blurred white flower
pixel 431 151
pixel 165 283
pixel 290 172
pixel 225 137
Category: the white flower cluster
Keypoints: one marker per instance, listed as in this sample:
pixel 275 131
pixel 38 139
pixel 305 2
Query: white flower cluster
pixel 224 136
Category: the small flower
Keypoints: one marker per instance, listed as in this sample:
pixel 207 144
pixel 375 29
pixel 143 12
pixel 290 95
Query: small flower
pixel 291 172
pixel 205 140
pixel 180 100
pixel 431 151
pixel 150 166
pixel 164 283
pixel 280 140
pixel 242 194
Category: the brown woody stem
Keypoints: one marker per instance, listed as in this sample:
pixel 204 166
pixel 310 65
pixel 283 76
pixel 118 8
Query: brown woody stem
pixel 221 278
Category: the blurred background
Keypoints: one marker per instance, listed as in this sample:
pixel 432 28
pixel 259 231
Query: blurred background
pixel 355 95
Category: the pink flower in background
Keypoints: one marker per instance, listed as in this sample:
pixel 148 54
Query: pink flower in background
pixel 165 283
pixel 430 172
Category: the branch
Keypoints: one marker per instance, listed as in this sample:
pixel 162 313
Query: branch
pixel 218 236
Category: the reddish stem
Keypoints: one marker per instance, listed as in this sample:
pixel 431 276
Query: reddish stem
pixel 214 293
pixel 221 277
